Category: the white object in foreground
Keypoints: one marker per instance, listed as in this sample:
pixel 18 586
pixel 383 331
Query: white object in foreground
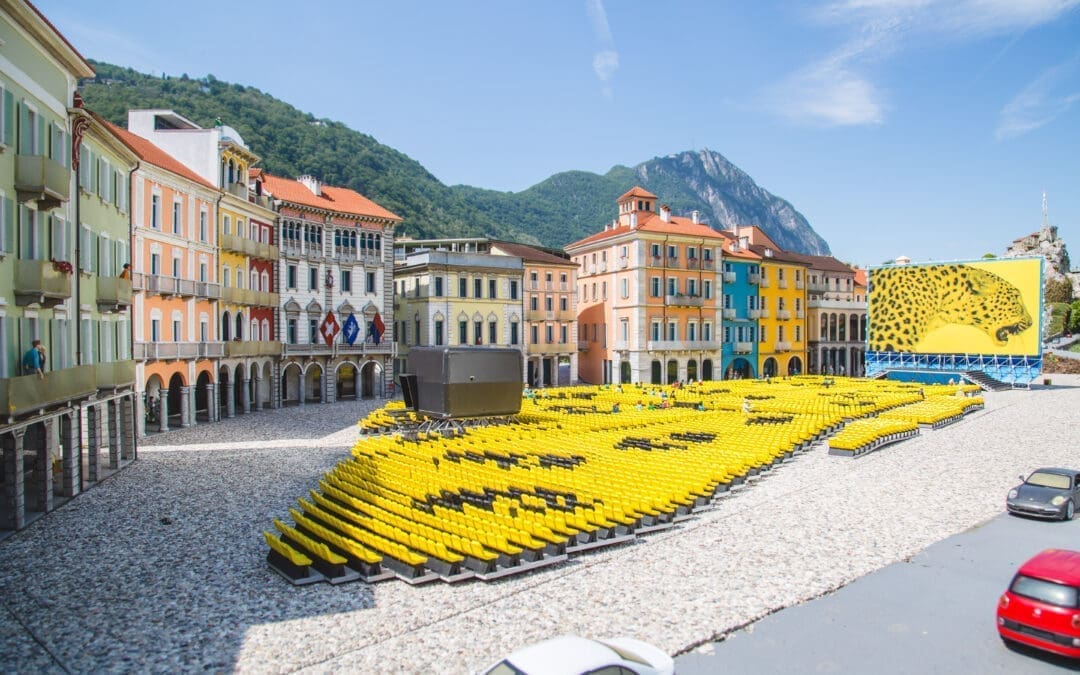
pixel 573 655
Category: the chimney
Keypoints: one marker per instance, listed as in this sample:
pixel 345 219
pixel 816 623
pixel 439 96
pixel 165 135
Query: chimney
pixel 768 253
pixel 744 242
pixel 633 220
pixel 665 213
pixel 607 227
pixel 311 183
pixel 695 217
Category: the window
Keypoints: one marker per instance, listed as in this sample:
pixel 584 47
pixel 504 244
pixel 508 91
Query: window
pixel 563 303
pixel 513 289
pixel 548 303
pixel 691 332
pixel 478 332
pixel 202 272
pixel 798 333
pixel 155 330
pixel 672 286
pixel 438 286
pixel 672 331
pixel 624 330
pixel 706 253
pixel 549 333
pixel 202 225
pixel 463 332
pixel 655 250
pixel 492 287
pixel 727 301
pixel 673 252
pixel 534 336
pixel 155 264
pixel 177 217
pixel 514 332
pixel 533 303
pixel 708 289
pixel 346 281
pixel 313 278
pixel 603 290
pixel 438 331
pixel 290 277
pixel 155 212
pixel 727 334
pixel 478 288
pixel 226 277
pixel 706 331
pixel 654 287
pixel 176 332
pixel 370 282
pixel 691 288
pixel 562 334
pixel 176 267
pixel 313 331
pixel 691 252
pixel 493 332
pixel 462 287
pixel 654 332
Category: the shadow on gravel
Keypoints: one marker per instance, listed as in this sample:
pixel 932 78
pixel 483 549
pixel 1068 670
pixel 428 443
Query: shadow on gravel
pixel 1062 662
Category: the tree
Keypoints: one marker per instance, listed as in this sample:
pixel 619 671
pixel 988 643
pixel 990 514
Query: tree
pixel 1073 321
pixel 1058 290
pixel 988 256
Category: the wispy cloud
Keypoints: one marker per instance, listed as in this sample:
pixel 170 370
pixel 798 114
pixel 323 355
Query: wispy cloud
pixel 1049 96
pixel 838 90
pixel 105 44
pixel 606 59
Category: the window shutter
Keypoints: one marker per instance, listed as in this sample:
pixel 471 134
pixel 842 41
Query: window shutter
pixel 84 249
pixel 84 168
pixel 104 262
pixel 92 161
pixel 43 135
pixel 67 148
pixel 9 225
pixel 9 118
pixel 26 134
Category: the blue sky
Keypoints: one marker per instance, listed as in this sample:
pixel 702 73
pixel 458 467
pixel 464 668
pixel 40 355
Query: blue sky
pixel 926 128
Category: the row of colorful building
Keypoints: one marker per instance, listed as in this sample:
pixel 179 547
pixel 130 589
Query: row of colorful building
pixel 170 282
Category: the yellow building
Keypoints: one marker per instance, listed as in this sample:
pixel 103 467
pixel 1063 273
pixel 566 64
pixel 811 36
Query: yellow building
pixel 456 298
pixel 782 304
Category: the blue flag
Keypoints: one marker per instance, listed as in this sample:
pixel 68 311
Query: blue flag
pixel 351 329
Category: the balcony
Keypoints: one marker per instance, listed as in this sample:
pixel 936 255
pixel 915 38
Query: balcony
pixel 755 313
pixel 763 314
pixel 251 248
pixel 783 347
pixel 252 348
pixel 706 264
pixel 115 375
pixel 818 288
pixel 385 348
pixel 729 314
pixel 692 263
pixel 165 351
pixel 754 278
pixel 729 277
pixel 624 263
pixel 743 347
pixel 113 294
pixel 764 283
pixel 43 180
pixel 583 346
pixel 205 289
pixel 781 283
pixel 680 300
pixel 261 200
pixel 565 315
pixel 544 349
pixel 39 282
pixel 246 296
pixel 30 393
pixel 683 345
pixel 237 190
pixel 799 284
pixel 799 314
pixel 211 350
pixel 783 314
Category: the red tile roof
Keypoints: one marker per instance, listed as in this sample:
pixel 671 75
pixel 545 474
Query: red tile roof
pixel 148 152
pixel 637 191
pixel 826 263
pixel 860 277
pixel 338 199
pixel 651 222
pixel 530 254
pixel 729 252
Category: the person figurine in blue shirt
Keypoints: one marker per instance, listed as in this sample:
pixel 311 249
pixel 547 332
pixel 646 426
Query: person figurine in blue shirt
pixel 33 360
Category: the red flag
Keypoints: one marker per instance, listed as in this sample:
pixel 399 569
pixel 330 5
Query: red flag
pixel 329 328
pixel 379 328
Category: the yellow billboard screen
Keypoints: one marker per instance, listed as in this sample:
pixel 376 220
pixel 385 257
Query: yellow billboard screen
pixel 979 307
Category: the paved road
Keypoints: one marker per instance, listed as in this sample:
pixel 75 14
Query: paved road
pixel 931 614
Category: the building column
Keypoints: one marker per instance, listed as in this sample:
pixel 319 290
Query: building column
pixel 115 436
pixel 93 441
pixel 43 473
pixel 211 402
pixel 329 383
pixel 230 399
pixel 163 410
pixel 357 380
pixel 258 394
pixel 302 383
pixel 127 428
pixel 245 395
pixel 72 458
pixel 193 412
pixel 275 386
pixel 14 494
pixel 140 414
pixel 185 407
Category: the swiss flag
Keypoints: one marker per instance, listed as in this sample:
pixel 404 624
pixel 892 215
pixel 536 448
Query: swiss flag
pixel 329 328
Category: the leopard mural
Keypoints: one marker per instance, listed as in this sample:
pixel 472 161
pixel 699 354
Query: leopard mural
pixel 907 302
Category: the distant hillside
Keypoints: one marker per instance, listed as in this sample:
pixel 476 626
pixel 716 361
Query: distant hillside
pixel 554 212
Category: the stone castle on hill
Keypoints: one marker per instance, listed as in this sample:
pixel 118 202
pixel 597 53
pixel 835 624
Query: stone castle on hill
pixel 1052 248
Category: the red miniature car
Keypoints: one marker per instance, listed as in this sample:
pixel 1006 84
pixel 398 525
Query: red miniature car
pixel 1041 608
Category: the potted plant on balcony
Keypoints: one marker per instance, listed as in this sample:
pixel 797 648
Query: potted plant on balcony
pixel 62 266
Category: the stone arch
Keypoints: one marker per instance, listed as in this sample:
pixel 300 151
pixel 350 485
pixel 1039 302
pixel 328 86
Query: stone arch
pixel 371 379
pixel 794 366
pixel 346 375
pixel 292 378
pixel 769 368
pixel 314 376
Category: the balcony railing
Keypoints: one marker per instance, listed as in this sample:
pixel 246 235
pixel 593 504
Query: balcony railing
pixel 386 347
pixel 764 283
pixel 165 351
pixel 624 263
pixel 565 315
pixel 237 190
pixel 39 282
pixel 683 345
pixel 783 346
pixel 818 288
pixel 754 313
pixel 744 347
pixel 799 314
pixel 252 248
pixel 729 314
pixel 799 284
pixel 680 300
pixel 781 283
pixel 115 375
pixel 583 346
pixel 205 289
pixel 706 264
pixel 763 314
pixel 113 294
pixel 544 348
pixel 252 348
pixel 783 314
pixel 41 179
pixel 692 263
pixel 246 296
pixel 753 278
pixel 211 350
pixel 30 393
pixel 729 277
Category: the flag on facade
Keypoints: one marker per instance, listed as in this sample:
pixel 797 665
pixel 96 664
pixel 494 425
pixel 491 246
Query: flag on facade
pixel 329 328
pixel 377 328
pixel 351 329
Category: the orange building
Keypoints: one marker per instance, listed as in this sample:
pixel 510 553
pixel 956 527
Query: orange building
pixel 174 263
pixel 648 290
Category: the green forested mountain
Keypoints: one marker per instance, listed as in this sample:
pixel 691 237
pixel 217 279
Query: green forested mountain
pixel 554 212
